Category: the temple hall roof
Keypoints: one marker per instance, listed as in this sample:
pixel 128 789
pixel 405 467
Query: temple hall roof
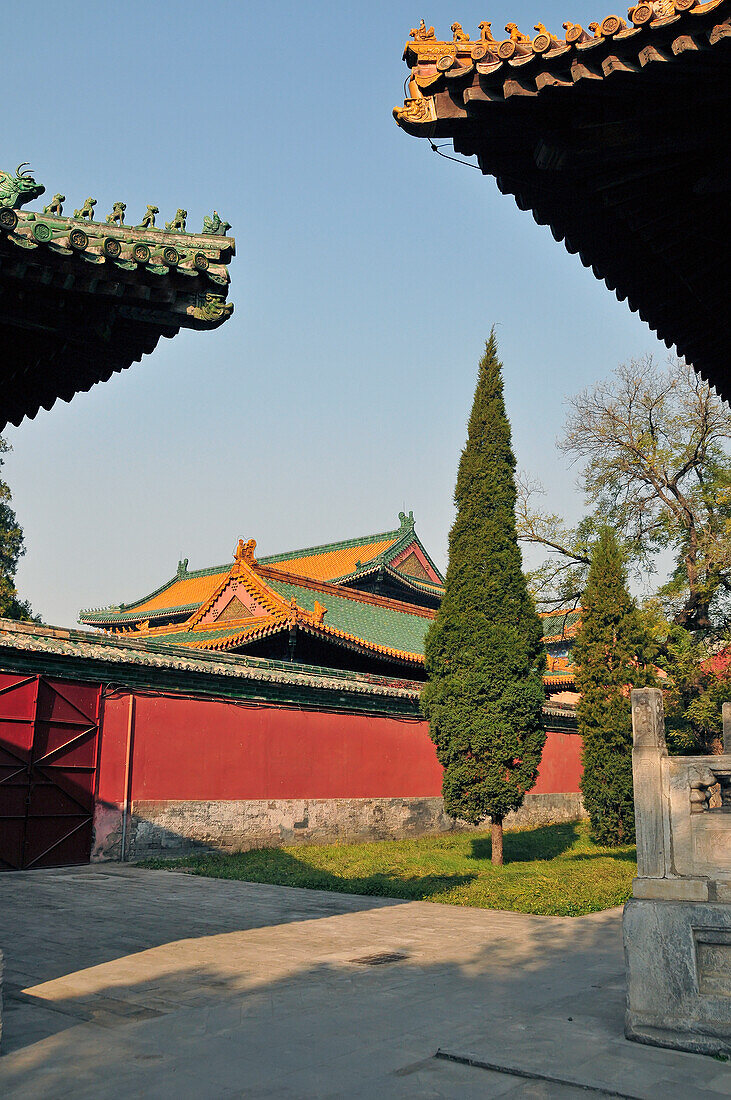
pixel 253 601
pixel 341 562
pixel 238 606
pixel 616 137
pixel 337 562
pixel 83 297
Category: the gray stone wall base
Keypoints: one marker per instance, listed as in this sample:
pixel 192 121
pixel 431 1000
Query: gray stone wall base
pixel 678 963
pixel 171 829
pixel 547 809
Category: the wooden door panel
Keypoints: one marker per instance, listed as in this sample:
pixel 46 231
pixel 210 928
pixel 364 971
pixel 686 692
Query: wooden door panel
pixel 48 752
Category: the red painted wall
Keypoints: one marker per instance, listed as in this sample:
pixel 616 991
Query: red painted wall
pixel 560 770
pixel 204 749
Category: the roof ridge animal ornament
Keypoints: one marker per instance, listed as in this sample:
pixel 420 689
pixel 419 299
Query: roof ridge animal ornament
pixel 574 32
pixel 515 34
pixel 18 188
pixel 608 27
pixel 148 222
pixel 215 225
pixel 458 35
pixel 117 214
pixel 87 210
pixel 541 28
pixel 421 33
pixel 55 206
pixel 485 32
pixel 177 225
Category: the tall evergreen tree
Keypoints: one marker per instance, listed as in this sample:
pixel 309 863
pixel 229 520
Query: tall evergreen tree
pixel 484 650
pixel 11 551
pixel 612 653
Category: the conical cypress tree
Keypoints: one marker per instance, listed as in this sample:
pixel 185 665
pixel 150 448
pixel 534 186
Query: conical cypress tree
pixel 484 650
pixel 612 656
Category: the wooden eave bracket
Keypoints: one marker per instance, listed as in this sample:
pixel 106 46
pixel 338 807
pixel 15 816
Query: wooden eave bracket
pixel 613 64
pixel 516 88
pixel 722 30
pixel 549 80
pixel 580 71
pixel 649 55
pixel 477 95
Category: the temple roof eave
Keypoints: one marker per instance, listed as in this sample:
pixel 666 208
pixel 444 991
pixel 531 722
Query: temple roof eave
pixel 411 582
pixel 612 137
pixel 85 299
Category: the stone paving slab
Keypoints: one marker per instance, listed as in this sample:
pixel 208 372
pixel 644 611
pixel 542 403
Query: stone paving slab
pixel 125 982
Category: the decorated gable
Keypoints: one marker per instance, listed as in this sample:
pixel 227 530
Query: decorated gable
pixel 413 562
pixel 233 603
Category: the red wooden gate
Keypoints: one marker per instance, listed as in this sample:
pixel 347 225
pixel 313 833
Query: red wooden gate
pixel 48 756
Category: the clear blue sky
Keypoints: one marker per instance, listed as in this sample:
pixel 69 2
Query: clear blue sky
pixel 368 274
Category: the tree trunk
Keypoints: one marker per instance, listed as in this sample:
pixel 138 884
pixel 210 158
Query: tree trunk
pixel 497 841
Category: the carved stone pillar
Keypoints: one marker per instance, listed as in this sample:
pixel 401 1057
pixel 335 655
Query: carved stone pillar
pixel 649 750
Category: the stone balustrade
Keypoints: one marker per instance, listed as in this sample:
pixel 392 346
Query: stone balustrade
pixel 677 925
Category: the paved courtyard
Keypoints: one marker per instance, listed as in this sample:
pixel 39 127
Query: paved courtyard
pixel 121 982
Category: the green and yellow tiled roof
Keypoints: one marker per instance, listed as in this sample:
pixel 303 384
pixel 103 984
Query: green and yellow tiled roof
pixel 297 590
pixel 340 562
pixel 383 623
pixel 362 621
pixel 336 562
pixel 185 592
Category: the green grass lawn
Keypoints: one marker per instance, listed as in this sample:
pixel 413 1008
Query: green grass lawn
pixel 552 870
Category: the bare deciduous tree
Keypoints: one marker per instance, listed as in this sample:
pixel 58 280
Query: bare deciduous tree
pixel 654 444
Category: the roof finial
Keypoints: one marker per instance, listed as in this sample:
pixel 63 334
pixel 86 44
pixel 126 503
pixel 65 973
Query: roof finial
pixel 182 567
pixel 406 521
pixel 244 552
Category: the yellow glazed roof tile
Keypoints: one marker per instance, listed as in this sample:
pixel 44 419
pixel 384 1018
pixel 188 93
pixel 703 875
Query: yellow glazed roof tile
pixel 182 593
pixel 334 563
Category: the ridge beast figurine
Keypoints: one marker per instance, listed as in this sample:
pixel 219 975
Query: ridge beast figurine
pixel 55 206
pixel 148 222
pixel 178 222
pixel 19 188
pixel 87 210
pixel 117 214
pixel 215 225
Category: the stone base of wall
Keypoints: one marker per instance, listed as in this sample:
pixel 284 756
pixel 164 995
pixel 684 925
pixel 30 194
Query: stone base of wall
pixel 547 809
pixel 678 962
pixel 170 829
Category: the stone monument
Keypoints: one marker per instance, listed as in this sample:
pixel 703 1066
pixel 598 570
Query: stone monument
pixel 677 925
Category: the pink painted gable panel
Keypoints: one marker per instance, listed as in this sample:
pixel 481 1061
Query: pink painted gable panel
pixel 415 549
pixel 233 590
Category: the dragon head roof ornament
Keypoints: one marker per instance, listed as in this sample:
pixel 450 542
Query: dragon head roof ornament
pixel 18 188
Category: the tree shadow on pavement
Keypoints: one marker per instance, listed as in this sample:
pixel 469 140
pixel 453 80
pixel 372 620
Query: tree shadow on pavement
pixel 293 1012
